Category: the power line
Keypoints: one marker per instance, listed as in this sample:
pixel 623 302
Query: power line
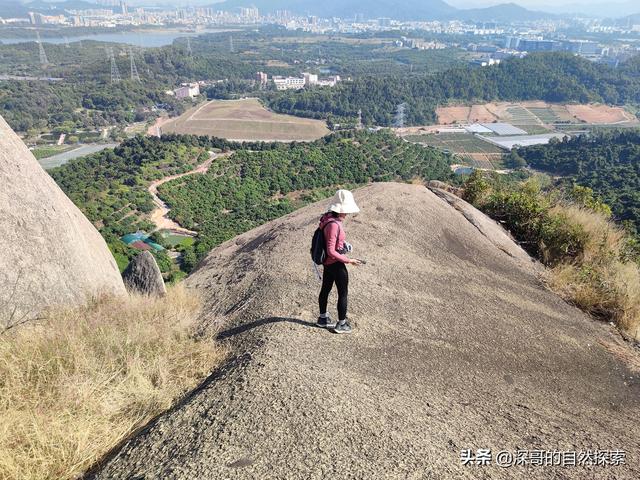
pixel 134 70
pixel 44 61
pixel 399 118
pixel 115 73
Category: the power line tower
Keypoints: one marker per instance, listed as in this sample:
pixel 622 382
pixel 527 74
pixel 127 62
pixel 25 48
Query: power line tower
pixel 66 43
pixel 231 49
pixel 399 118
pixel 44 61
pixel 189 51
pixel 359 124
pixel 134 70
pixel 115 73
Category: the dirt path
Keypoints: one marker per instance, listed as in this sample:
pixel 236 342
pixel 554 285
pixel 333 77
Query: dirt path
pixel 457 345
pixel 159 216
pixel 155 130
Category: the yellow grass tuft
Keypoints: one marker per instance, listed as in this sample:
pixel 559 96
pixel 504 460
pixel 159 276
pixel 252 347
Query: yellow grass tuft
pixel 75 385
pixel 598 281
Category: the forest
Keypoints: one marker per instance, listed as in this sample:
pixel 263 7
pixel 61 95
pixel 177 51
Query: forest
pixel 255 186
pixel 85 98
pixel 261 181
pixel 377 77
pixel 110 187
pixel 607 162
pixel 554 77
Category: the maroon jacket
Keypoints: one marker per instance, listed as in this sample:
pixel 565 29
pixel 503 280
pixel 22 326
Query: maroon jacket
pixel 334 236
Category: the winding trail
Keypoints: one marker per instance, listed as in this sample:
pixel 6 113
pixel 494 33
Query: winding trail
pixel 159 216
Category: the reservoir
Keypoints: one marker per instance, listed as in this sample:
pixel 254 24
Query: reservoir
pixel 142 38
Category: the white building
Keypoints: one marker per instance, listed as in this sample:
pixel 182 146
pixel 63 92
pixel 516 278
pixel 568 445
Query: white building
pixel 262 78
pixel 329 81
pixel 187 90
pixel 288 83
pixel 310 78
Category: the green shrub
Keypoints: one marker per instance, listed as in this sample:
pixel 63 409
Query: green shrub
pixel 593 262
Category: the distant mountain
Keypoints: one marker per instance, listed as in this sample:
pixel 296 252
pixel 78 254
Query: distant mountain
pixel 407 10
pixel 615 8
pixel 629 20
pixel 505 12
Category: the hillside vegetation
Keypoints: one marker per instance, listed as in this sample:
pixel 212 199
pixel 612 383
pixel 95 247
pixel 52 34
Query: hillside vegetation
pixel 553 77
pixel 252 187
pixel 75 384
pixel 592 262
pixel 86 98
pixel 110 187
pixel 259 182
pixel 607 162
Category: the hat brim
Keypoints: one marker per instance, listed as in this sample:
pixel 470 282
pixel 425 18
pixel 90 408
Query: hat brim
pixel 344 209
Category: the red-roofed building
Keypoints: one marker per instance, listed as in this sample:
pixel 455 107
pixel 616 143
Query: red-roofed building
pixel 140 245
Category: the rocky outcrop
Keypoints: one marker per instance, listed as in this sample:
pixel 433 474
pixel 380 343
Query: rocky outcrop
pixel 50 254
pixel 485 225
pixel 143 276
pixel 457 345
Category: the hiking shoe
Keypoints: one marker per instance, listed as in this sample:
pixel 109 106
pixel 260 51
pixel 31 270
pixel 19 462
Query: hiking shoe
pixel 325 322
pixel 342 327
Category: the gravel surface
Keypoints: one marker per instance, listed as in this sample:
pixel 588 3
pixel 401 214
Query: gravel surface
pixel 457 345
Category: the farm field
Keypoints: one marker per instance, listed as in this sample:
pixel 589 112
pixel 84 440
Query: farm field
pixel 534 113
pixel 469 148
pixel 455 142
pixel 245 120
pixel 487 161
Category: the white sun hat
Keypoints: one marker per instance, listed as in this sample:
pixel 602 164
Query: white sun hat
pixel 343 202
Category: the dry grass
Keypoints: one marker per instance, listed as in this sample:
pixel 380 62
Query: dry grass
pixel 75 385
pixel 598 281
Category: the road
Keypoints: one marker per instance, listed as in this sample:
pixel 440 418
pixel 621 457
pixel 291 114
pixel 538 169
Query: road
pixel 62 158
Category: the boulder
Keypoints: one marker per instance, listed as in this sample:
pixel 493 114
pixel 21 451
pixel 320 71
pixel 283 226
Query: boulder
pixel 50 254
pixel 444 186
pixel 143 276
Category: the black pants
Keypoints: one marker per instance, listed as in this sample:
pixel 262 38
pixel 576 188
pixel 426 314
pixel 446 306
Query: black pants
pixel 335 273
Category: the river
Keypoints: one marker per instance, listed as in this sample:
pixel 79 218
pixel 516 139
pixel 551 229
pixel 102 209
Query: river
pixel 140 39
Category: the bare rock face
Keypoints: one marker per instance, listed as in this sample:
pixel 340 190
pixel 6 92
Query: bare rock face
pixel 50 254
pixel 143 276
pixel 492 230
pixel 456 345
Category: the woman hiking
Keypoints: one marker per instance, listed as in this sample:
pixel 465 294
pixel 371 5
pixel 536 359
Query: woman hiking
pixel 334 266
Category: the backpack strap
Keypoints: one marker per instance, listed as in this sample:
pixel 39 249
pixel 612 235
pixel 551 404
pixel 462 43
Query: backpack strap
pixel 336 222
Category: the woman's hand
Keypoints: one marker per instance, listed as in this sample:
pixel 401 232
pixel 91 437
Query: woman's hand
pixel 355 261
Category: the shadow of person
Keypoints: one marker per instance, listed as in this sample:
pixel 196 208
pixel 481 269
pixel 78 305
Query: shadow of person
pixel 259 323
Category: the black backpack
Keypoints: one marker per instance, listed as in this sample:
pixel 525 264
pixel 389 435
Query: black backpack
pixel 319 244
